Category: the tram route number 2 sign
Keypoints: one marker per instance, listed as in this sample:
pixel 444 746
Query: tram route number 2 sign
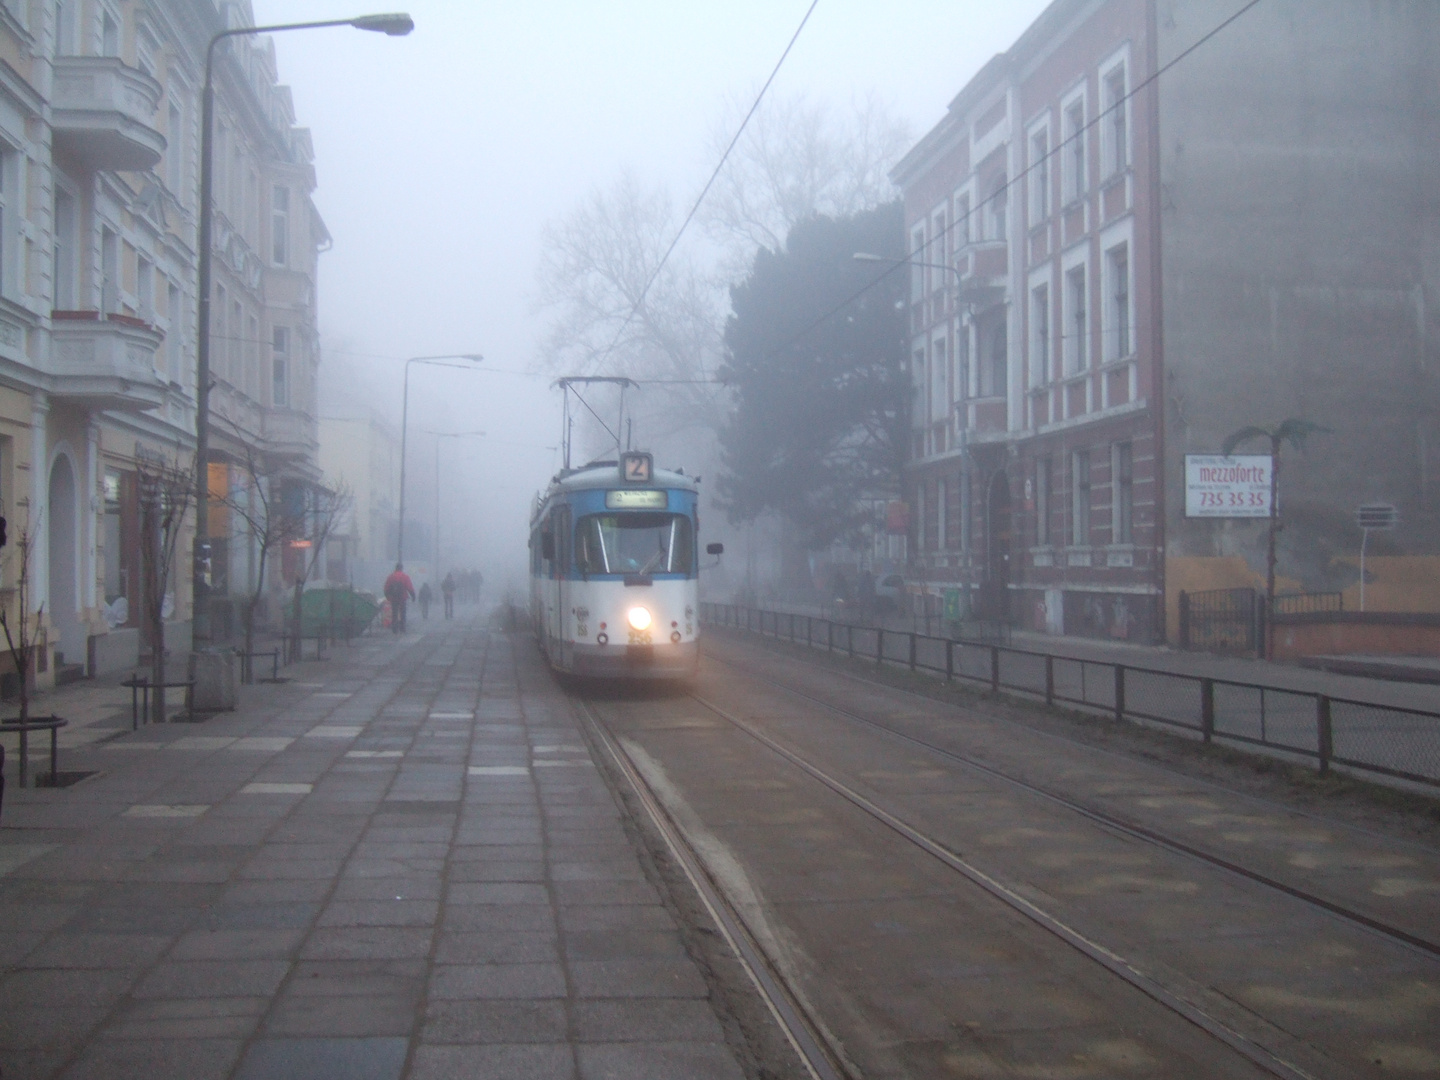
pixel 1227 487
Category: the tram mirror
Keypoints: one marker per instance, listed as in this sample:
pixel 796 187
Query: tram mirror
pixel 714 549
pixel 547 545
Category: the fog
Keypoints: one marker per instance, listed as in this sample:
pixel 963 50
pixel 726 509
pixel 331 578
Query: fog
pixel 442 158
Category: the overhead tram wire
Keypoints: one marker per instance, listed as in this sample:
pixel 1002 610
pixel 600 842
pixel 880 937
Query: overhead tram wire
pixel 640 300
pixel 1054 152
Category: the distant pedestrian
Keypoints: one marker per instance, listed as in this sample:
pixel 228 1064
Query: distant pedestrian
pixel 426 597
pixel 447 590
pixel 398 590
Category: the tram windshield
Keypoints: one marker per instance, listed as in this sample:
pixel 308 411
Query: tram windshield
pixel 634 544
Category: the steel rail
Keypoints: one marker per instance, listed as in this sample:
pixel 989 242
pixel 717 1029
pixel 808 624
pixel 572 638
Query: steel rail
pixel 1066 740
pixel 820 1061
pixel 1122 825
pixel 1112 961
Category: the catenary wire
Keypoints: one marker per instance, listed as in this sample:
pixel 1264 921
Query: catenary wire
pixel 1055 151
pixel 694 209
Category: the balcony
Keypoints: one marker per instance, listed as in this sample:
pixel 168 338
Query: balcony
pixel 103 113
pixel 290 433
pixel 105 363
pixel 984 272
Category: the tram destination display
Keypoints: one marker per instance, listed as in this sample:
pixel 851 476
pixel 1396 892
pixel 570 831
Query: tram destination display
pixel 1227 487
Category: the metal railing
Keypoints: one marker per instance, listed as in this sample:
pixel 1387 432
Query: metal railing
pixel 1364 736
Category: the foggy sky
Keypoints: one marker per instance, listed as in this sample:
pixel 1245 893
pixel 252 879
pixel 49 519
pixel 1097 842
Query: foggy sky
pixel 441 156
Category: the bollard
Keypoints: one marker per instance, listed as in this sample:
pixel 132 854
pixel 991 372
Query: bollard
pixel 949 660
pixel 1049 679
pixel 1207 709
pixel 1119 693
pixel 1324 733
pixel 994 669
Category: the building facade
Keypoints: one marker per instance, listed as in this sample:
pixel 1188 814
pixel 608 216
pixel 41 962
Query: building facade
pixel 1119 262
pixel 362 454
pixel 99 179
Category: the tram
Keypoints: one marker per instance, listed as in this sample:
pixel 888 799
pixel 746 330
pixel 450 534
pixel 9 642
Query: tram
pixel 614 568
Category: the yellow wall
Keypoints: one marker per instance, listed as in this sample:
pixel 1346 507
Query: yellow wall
pixel 1396 583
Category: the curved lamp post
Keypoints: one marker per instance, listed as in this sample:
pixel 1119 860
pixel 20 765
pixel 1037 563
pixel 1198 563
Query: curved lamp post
pixel 437 361
pixel 393 25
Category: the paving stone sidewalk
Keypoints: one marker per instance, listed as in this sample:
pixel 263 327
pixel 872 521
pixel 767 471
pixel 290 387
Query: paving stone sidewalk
pixel 402 863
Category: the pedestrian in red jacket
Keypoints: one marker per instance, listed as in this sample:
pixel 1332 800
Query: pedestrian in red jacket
pixel 398 589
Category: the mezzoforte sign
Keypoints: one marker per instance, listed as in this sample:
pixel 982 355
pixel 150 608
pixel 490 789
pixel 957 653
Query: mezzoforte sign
pixel 1227 487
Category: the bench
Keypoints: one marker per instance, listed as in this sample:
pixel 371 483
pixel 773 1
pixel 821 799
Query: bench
pixel 140 687
pixel 52 724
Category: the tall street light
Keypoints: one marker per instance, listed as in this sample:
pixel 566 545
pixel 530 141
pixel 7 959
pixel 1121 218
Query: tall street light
pixel 965 494
pixel 438 436
pixel 393 25
pixel 436 361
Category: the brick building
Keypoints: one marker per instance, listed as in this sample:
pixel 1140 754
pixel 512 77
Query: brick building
pixel 1110 275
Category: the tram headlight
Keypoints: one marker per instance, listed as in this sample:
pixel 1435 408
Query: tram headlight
pixel 639 618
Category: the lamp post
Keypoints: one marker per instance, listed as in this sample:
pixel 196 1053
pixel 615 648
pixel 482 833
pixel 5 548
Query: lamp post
pixel 393 25
pixel 438 436
pixel 965 494
pixel 437 361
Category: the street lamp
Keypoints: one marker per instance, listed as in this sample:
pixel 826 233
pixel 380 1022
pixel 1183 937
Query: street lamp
pixel 393 25
pixel 438 436
pixel 965 494
pixel 436 361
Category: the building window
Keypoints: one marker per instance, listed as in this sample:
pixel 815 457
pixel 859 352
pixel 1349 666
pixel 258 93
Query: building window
pixel 219 357
pixel 175 151
pixel 1040 335
pixel 937 252
pixel 65 261
pixel 109 34
pixel 1117 266
pixel 1075 350
pixel 109 270
pixel 999 207
pixel 994 372
pixel 65 27
pixel 1039 177
pixel 145 288
pixel 1080 498
pixel 237 357
pixel 962 364
pixel 1042 502
pixel 280 368
pixel 1075 151
pixel 1122 494
pixel 1115 105
pixel 961 230
pixel 252 358
pixel 174 338
pixel 917 273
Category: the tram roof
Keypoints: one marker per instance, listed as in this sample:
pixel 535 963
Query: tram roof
pixel 603 475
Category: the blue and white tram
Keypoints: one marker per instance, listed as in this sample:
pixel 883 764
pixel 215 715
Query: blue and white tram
pixel 614 564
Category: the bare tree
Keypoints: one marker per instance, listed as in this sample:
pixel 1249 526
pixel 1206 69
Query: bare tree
pixel 22 631
pixel 1294 431
pixel 252 504
pixel 327 506
pixel 798 158
pixel 165 492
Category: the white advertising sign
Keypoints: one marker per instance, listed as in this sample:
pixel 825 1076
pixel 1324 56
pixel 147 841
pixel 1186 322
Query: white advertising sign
pixel 1227 487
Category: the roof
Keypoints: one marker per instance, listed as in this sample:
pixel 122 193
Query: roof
pixel 606 474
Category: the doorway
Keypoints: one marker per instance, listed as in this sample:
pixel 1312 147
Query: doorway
pixel 63 550
pixel 995 592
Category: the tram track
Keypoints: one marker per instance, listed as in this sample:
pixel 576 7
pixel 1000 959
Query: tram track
pixel 821 1061
pixel 804 1033
pixel 1108 820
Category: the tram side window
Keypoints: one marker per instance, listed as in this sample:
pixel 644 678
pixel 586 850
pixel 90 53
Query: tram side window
pixel 634 544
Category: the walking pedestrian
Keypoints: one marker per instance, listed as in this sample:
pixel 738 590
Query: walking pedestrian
pixel 398 589
pixel 447 590
pixel 426 596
